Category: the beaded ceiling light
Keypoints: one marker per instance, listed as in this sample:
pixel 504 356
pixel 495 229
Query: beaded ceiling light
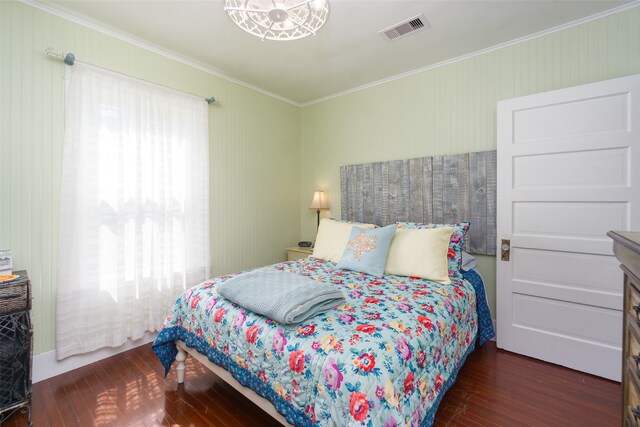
pixel 278 19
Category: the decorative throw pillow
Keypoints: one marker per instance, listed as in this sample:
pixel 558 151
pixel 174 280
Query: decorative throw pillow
pixel 420 253
pixel 332 238
pixel 367 250
pixel 455 245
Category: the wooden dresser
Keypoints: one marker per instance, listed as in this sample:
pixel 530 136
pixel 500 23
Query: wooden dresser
pixel 626 246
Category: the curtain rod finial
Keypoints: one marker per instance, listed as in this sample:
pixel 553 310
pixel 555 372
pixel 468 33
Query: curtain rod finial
pixel 211 100
pixel 69 58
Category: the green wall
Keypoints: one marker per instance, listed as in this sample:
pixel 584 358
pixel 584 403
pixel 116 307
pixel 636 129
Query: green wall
pixel 267 156
pixel 254 145
pixel 452 109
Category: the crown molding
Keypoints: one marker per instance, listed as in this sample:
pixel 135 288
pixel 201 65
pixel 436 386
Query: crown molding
pixel 207 69
pixel 149 46
pixel 552 30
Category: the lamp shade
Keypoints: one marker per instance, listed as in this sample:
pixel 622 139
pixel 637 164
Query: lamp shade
pixel 319 201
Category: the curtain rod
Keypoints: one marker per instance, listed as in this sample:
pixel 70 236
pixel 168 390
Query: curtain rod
pixel 69 59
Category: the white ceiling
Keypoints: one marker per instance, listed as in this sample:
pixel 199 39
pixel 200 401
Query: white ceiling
pixel 346 53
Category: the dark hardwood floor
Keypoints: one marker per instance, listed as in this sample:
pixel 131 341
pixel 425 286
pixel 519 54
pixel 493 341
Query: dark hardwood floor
pixel 494 388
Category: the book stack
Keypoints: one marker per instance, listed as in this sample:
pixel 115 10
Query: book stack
pixel 6 266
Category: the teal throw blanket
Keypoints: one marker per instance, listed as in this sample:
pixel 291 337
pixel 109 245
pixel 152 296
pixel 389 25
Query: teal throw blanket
pixel 285 297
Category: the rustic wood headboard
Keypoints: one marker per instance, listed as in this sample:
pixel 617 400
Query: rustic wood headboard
pixel 439 189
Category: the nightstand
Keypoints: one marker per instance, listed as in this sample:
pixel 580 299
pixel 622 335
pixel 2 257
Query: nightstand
pixel 296 252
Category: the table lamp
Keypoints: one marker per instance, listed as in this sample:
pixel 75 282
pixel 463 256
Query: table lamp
pixel 319 202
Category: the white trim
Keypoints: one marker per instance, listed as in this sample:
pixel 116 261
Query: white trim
pixel 565 26
pixel 46 366
pixel 202 67
pixel 149 46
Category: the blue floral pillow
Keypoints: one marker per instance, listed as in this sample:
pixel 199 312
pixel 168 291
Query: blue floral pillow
pixel 455 245
pixel 367 250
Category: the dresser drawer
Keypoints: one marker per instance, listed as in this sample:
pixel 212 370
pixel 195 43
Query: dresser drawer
pixel 633 396
pixel 631 350
pixel 631 420
pixel 633 300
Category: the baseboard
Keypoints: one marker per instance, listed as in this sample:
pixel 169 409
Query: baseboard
pixel 46 366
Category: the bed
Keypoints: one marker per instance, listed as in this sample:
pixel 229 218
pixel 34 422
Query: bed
pixel 384 357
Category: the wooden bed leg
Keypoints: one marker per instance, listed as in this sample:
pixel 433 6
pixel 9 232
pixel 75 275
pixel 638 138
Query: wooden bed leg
pixel 180 358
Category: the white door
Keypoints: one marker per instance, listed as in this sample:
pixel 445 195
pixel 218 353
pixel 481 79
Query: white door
pixel 568 172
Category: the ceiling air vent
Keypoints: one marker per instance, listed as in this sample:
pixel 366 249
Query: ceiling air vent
pixel 405 28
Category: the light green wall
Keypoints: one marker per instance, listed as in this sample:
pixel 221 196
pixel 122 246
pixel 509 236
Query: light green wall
pixel 267 157
pixel 452 109
pixel 254 141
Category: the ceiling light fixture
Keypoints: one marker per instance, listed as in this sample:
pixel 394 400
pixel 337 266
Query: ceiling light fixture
pixel 278 19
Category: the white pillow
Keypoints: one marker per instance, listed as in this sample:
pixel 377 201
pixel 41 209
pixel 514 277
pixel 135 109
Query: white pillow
pixel 468 261
pixel 333 237
pixel 420 253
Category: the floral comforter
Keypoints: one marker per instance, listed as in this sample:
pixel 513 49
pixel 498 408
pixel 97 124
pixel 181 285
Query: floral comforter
pixel 383 358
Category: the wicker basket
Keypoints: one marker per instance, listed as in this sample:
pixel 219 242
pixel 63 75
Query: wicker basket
pixel 15 359
pixel 15 296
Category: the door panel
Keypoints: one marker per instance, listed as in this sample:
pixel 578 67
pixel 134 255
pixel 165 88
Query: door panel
pixel 568 172
pixel 589 168
pixel 601 114
pixel 582 271
pixel 573 220
pixel 578 322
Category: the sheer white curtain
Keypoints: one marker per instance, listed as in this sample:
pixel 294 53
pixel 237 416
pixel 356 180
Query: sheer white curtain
pixel 134 207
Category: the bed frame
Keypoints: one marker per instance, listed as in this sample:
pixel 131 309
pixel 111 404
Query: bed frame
pixel 224 375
